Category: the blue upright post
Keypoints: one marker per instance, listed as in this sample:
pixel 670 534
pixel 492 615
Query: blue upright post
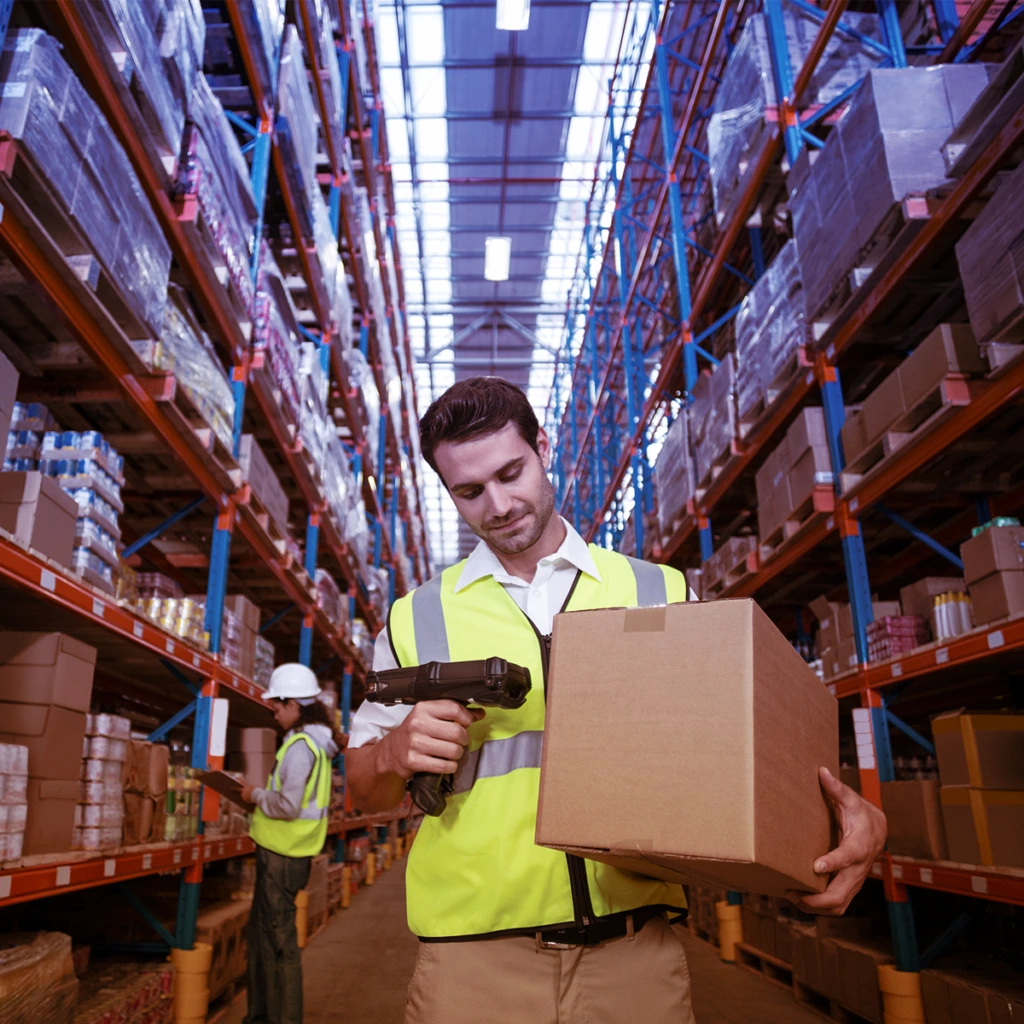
pixel 892 31
pixel 783 72
pixel 577 512
pixel 947 18
pixel 312 542
pixel 707 538
pixel 757 253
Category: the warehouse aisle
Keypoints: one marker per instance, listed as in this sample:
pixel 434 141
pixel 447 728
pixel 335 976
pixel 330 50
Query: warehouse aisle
pixel 357 970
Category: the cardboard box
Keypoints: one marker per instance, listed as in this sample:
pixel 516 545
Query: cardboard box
pixel 998 596
pixel 316 886
pixel 997 549
pixel 807 431
pixel 919 598
pixel 143 819
pixel 255 766
pixel 8 394
pixel 984 751
pixel 51 815
pixel 806 959
pixel 39 514
pixel 827 613
pixel 858 963
pixel 854 436
pixel 145 768
pixel 984 826
pixel 883 407
pixel 258 474
pixel 247 612
pixel 735 751
pixel 784 939
pixel 843 658
pixel 812 469
pixel 46 668
pixel 950 348
pixel 254 740
pixel 53 736
pixel 914 812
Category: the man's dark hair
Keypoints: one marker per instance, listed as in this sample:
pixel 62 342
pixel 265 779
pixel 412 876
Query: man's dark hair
pixel 472 408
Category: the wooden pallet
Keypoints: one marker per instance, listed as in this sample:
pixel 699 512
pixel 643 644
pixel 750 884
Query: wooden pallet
pixel 953 392
pixel 1001 355
pixel 27 196
pixel 821 501
pixel 777 971
pixel 794 369
pixel 212 263
pixel 825 1007
pixel 743 569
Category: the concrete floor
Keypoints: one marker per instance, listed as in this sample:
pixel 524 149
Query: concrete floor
pixel 357 970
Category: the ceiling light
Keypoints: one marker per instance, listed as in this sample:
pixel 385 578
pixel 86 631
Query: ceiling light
pixel 513 15
pixel 497 255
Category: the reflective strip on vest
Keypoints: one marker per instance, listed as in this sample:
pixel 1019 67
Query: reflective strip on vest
pixel 428 622
pixel 650 583
pixel 499 757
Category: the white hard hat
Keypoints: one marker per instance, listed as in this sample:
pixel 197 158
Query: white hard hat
pixel 292 681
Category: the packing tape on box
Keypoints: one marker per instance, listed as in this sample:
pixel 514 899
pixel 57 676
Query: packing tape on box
pixel 645 620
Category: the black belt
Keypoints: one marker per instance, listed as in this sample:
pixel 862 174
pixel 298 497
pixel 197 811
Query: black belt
pixel 597 931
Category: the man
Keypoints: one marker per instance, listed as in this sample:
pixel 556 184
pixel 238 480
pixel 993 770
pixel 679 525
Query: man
pixel 511 931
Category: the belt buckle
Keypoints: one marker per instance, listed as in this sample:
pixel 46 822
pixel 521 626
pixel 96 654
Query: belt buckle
pixel 543 943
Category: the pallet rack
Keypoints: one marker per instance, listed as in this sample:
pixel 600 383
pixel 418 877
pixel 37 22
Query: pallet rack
pixel 137 658
pixel 658 281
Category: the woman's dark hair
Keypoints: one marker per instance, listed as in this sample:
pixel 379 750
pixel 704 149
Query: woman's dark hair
pixel 472 408
pixel 317 714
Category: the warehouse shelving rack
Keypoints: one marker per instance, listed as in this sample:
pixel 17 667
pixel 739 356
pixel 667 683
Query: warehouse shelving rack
pixel 658 281
pixel 47 592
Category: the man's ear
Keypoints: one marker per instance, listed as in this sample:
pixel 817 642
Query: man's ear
pixel 544 448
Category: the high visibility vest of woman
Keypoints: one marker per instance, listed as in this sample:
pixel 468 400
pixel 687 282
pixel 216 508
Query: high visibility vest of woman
pixel 289 827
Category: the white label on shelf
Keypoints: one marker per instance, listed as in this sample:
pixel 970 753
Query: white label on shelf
pixel 14 90
pixel 209 852
pixel 63 875
pixel 147 861
pixel 98 607
pixel 942 656
pixel 195 661
pixel 979 884
pixel 996 639
pixel 109 868
pixel 896 668
pixel 170 646
pixel 854 504
pixel 5 887
pixel 219 727
pixel 195 853
pixel 926 876
pixel 137 629
pixel 897 871
pixel 48 581
pixel 177 856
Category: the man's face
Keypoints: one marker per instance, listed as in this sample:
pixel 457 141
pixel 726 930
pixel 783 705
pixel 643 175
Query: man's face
pixel 499 487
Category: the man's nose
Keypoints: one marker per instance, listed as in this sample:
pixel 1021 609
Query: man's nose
pixel 499 502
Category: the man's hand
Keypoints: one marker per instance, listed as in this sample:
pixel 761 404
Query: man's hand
pixel 432 739
pixel 862 829
pixel 246 794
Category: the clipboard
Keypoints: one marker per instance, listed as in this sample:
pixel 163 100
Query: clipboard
pixel 227 787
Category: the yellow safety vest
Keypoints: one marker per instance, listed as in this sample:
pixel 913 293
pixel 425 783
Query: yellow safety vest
pixel 305 835
pixel 475 871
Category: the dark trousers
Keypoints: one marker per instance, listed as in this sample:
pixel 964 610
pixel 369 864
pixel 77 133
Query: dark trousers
pixel 275 963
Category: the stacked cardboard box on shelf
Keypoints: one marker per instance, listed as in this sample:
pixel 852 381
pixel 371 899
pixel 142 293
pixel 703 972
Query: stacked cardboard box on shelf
pixel 248 616
pixel 786 482
pixel 892 635
pixel 914 810
pixel 13 797
pixel 223 926
pixel 251 752
pixel 837 647
pixel 738 554
pixel 919 598
pixel 35 509
pixel 952 996
pixel 908 395
pixel 45 690
pixel 8 393
pixel 981 768
pixel 712 418
pixel 145 791
pixel 99 814
pixel 673 476
pixel 887 145
pixel 263 481
pixel 994 568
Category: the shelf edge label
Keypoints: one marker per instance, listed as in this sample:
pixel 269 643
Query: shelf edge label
pixel 109 868
pixel 48 581
pixel 979 884
pixel 137 629
pixel 942 656
pixel 996 639
pixel 147 861
pixel 98 607
pixel 926 876
pixel 5 887
pixel 63 875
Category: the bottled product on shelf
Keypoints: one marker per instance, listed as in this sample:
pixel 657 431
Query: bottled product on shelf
pixel 182 808
pixel 74 149
pixel 99 814
pixel 131 991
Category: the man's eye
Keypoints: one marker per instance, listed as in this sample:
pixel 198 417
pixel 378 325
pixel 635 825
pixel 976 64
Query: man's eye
pixel 509 477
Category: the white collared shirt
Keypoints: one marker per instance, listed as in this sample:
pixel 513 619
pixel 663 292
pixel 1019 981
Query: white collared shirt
pixel 541 599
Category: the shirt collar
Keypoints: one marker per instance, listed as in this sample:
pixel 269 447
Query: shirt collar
pixel 484 562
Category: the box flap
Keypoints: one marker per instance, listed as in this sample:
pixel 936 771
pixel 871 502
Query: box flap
pixel 42 648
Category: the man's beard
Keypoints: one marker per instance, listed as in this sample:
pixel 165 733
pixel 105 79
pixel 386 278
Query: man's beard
pixel 526 536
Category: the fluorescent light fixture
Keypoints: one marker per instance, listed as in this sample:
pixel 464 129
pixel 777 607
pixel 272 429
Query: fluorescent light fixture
pixel 513 15
pixel 497 256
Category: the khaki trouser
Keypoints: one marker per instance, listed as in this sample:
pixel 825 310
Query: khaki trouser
pixel 643 977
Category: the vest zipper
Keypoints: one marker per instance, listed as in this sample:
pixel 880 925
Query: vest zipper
pixel 582 905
